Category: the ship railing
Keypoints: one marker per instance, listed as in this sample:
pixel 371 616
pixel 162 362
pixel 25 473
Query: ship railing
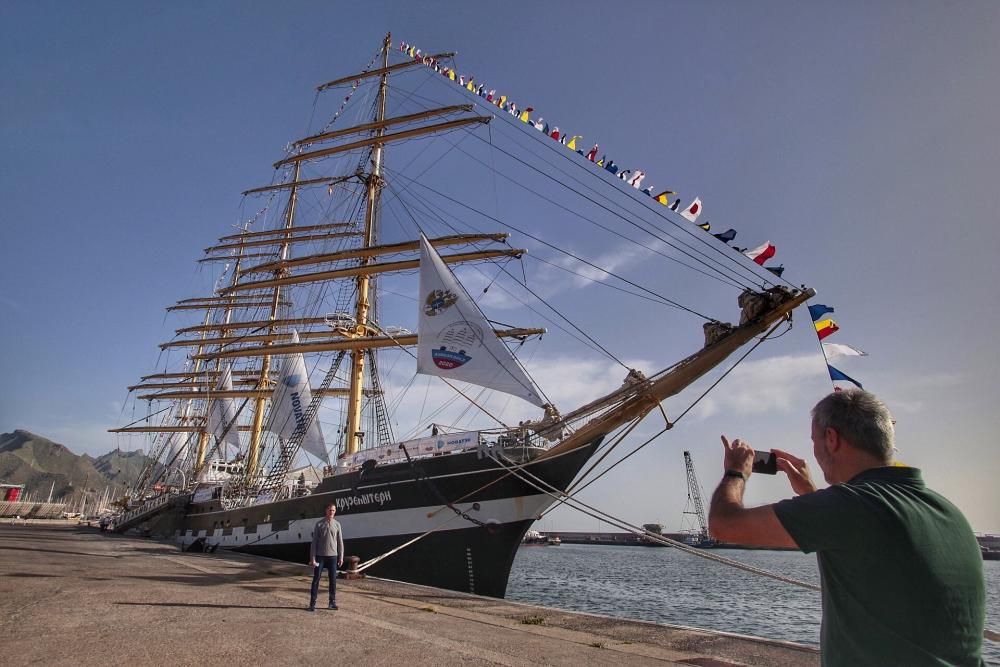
pixel 147 509
pixel 445 444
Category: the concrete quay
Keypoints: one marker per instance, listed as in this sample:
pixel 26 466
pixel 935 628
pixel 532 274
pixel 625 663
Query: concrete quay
pixel 70 595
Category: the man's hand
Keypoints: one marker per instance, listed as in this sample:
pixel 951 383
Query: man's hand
pixel 797 471
pixel 313 563
pixel 729 521
pixel 738 456
pixel 340 562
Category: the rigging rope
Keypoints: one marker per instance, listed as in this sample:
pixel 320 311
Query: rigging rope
pixel 688 229
pixel 597 347
pixel 555 493
pixel 569 157
pixel 670 425
pixel 557 248
pixel 498 113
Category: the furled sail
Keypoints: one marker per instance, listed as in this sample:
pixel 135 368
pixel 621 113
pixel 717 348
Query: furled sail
pixel 222 414
pixel 454 339
pixel 177 444
pixel 289 404
pixel 177 449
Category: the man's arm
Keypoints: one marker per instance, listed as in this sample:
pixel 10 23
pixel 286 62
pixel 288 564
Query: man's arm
pixel 729 520
pixel 312 548
pixel 340 545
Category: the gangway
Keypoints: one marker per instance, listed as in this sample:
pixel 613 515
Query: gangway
pixel 147 510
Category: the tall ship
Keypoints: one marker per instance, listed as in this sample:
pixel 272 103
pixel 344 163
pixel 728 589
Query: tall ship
pixel 360 345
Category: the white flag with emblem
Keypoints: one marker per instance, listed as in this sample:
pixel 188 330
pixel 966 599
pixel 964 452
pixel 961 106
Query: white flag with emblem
pixel 454 339
pixel 289 403
pixel 222 414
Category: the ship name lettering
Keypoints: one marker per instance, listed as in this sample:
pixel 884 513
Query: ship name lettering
pixel 379 497
pixel 297 408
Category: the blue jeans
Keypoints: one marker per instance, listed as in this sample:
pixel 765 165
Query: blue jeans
pixel 330 563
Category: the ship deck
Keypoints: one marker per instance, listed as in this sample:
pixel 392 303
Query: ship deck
pixel 71 595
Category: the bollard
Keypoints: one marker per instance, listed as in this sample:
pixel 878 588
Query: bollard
pixel 350 570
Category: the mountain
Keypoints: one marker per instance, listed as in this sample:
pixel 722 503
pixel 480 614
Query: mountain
pixel 120 467
pixel 37 462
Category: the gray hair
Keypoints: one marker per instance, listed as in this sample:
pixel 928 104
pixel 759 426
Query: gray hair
pixel 860 418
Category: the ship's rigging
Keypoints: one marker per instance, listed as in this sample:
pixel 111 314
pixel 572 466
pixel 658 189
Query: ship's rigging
pixel 306 278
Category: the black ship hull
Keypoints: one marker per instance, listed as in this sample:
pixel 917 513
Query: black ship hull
pixel 471 511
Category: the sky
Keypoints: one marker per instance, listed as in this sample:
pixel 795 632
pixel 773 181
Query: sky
pixel 860 138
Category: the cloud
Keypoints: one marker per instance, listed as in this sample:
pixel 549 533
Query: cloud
pixel 567 381
pixel 549 278
pixel 761 386
pixel 906 393
pixel 610 261
pixel 571 382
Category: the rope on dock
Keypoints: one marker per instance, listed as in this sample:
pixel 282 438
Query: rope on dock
pixel 371 561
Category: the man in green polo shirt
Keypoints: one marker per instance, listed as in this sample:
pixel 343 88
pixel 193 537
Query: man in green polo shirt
pixel 901 569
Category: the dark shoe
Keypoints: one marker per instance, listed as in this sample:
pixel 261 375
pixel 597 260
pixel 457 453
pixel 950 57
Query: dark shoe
pixel 333 605
pixel 310 608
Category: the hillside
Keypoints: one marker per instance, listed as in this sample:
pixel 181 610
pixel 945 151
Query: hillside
pixel 37 462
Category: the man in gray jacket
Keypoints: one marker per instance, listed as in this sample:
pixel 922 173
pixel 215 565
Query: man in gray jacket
pixel 326 551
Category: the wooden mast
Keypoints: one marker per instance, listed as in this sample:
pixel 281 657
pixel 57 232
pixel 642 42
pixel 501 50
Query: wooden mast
pixel 354 436
pixel 253 452
pixel 204 437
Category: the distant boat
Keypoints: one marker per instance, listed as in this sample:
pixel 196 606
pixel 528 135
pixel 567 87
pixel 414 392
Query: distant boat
pixel 533 538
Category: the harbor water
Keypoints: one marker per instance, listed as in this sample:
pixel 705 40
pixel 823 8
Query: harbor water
pixel 669 586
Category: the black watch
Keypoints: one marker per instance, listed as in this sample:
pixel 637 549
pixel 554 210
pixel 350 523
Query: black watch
pixel 735 473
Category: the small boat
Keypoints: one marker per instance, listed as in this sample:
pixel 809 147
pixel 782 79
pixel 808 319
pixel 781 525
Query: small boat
pixel 533 538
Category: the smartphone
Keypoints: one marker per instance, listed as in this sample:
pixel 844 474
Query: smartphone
pixel 765 463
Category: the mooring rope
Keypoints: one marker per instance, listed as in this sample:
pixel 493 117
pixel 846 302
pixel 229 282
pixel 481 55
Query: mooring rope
pixel 371 561
pixel 593 512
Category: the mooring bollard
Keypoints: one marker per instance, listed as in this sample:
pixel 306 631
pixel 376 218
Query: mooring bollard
pixel 350 570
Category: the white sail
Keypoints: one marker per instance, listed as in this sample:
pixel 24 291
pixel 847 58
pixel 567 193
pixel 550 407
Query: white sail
pixel 455 341
pixel 289 403
pixel 222 413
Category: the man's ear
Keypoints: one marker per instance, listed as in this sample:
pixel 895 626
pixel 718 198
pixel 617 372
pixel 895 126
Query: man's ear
pixel 832 440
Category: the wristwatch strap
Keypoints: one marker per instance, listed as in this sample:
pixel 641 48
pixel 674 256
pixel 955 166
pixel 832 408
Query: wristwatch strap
pixel 735 473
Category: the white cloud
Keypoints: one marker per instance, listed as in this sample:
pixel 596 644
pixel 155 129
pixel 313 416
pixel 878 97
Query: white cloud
pixel 569 382
pixel 761 386
pixel 549 278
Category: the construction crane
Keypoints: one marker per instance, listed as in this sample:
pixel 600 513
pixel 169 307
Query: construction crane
pixel 694 498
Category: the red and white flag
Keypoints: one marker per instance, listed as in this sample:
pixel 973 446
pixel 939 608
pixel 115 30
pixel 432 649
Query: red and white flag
pixel 693 211
pixel 761 253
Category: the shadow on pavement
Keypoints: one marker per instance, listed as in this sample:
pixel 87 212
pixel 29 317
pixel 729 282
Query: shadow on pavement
pixel 207 606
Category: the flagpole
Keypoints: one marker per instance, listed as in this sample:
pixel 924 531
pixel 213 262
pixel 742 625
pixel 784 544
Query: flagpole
pixel 822 350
